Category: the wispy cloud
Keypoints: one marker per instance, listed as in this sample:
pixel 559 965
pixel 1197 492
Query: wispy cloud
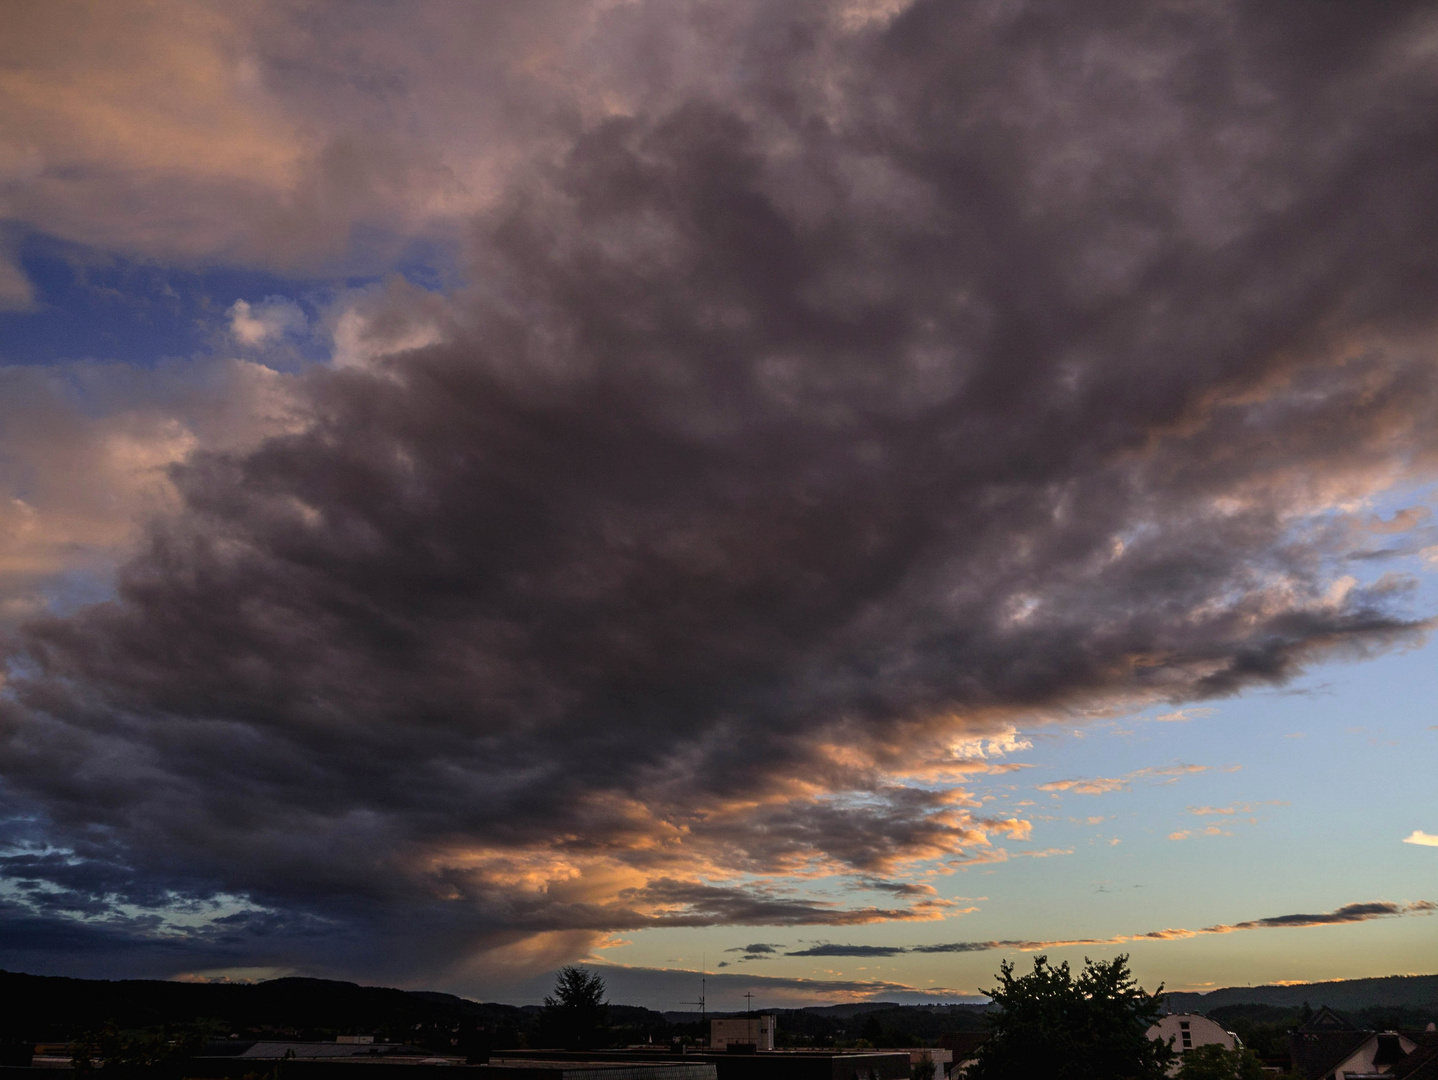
pixel 898 888
pixel 1211 830
pixel 1422 838
pixel 1169 774
pixel 1349 913
pixel 849 950
pixel 1164 774
pixel 757 951
pixel 1209 811
pixel 1002 855
pixel 1182 716
pixel 1099 786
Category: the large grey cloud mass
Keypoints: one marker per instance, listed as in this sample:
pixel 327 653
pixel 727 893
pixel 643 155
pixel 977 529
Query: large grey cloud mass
pixel 871 386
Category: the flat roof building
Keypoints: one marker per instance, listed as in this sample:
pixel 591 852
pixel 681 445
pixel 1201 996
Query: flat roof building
pixel 755 1032
pixel 764 1065
pixel 530 1069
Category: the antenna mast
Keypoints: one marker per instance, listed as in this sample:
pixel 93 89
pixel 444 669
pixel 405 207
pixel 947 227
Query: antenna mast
pixel 703 993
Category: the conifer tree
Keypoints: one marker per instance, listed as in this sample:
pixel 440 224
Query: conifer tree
pixel 575 1013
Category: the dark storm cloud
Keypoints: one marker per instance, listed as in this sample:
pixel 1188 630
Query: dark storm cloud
pixel 982 363
pixel 667 902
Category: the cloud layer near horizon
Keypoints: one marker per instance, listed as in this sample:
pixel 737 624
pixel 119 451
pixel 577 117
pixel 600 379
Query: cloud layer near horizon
pixel 824 405
pixel 1348 913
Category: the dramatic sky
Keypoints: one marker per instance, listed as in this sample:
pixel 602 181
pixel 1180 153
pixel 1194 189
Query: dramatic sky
pixel 834 494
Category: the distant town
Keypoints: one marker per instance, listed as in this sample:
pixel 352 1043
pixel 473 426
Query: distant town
pixel 310 1029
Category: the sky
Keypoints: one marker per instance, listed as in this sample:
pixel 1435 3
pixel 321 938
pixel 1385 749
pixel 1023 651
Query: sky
pixel 822 498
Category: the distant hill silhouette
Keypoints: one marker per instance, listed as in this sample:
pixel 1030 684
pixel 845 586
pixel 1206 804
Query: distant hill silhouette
pixel 52 1007
pixel 845 1011
pixel 1414 991
pixel 47 1007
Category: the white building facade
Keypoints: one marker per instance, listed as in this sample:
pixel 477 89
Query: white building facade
pixel 1190 1030
pixel 755 1031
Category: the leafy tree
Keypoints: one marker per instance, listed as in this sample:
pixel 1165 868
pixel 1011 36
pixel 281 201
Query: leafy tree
pixel 575 1013
pixel 1052 1025
pixel 924 1068
pixel 1214 1062
pixel 125 1053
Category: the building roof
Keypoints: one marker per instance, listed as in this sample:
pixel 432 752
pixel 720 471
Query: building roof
pixel 963 1043
pixel 522 1069
pixel 1326 1019
pixel 1422 1063
pixel 1390 1049
pixel 310 1051
pixel 1316 1053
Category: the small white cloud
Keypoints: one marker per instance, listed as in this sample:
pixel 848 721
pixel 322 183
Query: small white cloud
pixel 358 343
pixel 381 320
pixel 1182 716
pixel 1422 838
pixel 16 292
pixel 267 322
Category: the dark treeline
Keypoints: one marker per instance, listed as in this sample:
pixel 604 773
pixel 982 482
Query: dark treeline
pixel 52 1009
pixel 882 1026
pixel 46 1009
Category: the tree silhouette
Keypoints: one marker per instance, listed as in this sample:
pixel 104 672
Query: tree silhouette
pixel 1214 1062
pixel 1052 1025
pixel 575 1013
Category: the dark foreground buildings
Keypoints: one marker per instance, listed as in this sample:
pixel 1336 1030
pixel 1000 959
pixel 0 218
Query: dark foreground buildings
pixel 1329 1046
